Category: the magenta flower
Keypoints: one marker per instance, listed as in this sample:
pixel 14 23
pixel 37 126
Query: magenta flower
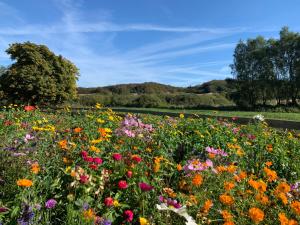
pixel 145 187
pixel 128 214
pixel 117 156
pixel 51 203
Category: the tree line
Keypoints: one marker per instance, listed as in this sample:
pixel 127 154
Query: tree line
pixel 267 70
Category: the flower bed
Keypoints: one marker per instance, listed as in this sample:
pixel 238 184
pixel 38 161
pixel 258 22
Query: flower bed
pixel 99 168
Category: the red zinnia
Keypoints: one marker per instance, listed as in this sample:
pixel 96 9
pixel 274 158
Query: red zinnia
pixel 88 159
pixel 117 156
pixel 84 154
pixel 98 160
pixel 145 187
pixel 136 158
pixel 93 166
pixel 109 201
pixel 128 214
pixel 122 184
pixel 29 108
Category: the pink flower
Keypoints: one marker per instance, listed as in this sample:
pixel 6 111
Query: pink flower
pixel 209 163
pixel 97 160
pixel 136 158
pixel 108 201
pixel 88 159
pixel 129 173
pixel 128 214
pixel 28 108
pixel 122 184
pixel 117 156
pixel 145 187
pixel 216 151
pixel 84 179
pixel 84 154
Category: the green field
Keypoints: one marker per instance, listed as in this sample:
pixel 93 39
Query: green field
pixel 247 114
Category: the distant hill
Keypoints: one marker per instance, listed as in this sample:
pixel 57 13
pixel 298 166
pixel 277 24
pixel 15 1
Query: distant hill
pixel 214 86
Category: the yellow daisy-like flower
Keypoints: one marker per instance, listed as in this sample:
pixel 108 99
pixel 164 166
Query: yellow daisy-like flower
pixel 143 221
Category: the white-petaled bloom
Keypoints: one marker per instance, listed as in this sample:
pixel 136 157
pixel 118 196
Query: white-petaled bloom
pixel 181 212
pixel 259 117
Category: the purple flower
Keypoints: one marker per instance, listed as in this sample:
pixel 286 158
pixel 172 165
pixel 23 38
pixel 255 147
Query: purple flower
pixel 106 222
pixel 51 203
pixel 216 151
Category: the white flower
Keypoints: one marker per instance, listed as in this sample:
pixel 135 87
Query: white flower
pixel 181 211
pixel 259 117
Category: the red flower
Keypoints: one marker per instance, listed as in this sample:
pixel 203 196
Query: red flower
pixel 93 166
pixel 84 179
pixel 129 173
pixel 145 187
pixel 88 159
pixel 84 154
pixel 122 184
pixel 29 108
pixel 136 158
pixel 128 214
pixel 7 123
pixel 98 160
pixel 109 201
pixel 117 156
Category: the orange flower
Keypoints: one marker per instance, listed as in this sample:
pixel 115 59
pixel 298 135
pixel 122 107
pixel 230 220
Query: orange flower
pixel 179 167
pixel 35 168
pixel 282 196
pixel 197 180
pixel 226 199
pixel 228 223
pixel 271 174
pixel 263 199
pixel 63 144
pixel 240 176
pixel 296 207
pixel 285 221
pixel 207 205
pixel 89 214
pixel 283 187
pixel 258 185
pixel 170 192
pixel 269 147
pixel 211 155
pixel 256 215
pixel 269 163
pixel 228 185
pixel 231 168
pixel 227 217
pixel 24 183
pixel 78 129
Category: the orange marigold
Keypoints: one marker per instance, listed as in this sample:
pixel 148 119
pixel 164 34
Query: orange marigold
pixel 197 180
pixel 263 199
pixel 78 129
pixel 271 174
pixel 207 205
pixel 269 163
pixel 283 187
pixel 296 207
pixel 226 199
pixel 227 217
pixel 179 167
pixel 24 183
pixel 35 168
pixel 228 185
pixel 258 185
pixel 256 215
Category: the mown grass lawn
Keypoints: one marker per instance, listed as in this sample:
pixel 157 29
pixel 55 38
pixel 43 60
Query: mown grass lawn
pixel 247 114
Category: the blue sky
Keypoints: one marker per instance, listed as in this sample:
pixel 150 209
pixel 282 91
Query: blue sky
pixel 177 42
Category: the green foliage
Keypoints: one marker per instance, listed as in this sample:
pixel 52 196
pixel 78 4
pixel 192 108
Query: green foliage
pixel 38 76
pixel 267 69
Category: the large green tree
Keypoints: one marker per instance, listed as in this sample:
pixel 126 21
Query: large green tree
pixel 38 76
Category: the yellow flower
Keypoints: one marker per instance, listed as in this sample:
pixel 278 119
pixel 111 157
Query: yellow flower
pixel 116 203
pixel 143 221
pixel 100 121
pixel 95 149
pixel 24 183
pixel 181 115
pixel 256 215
